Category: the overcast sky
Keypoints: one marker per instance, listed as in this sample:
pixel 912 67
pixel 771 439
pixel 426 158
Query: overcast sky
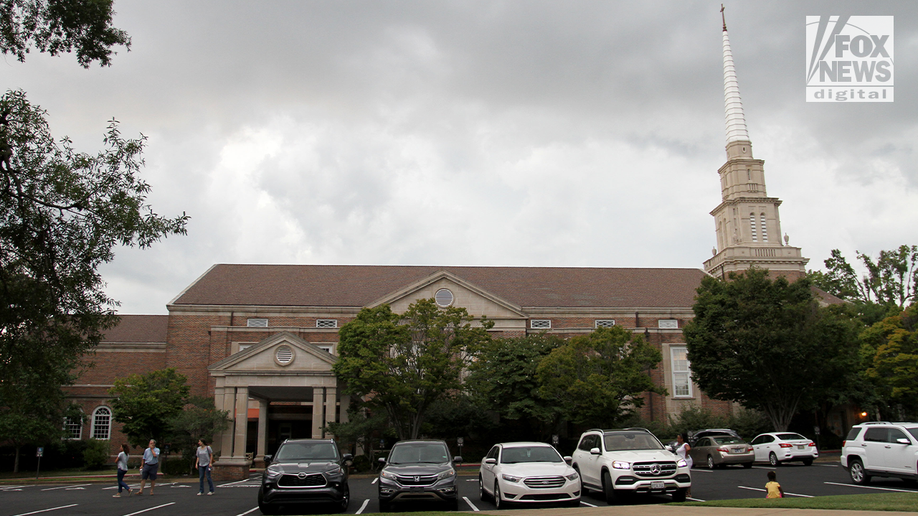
pixel 520 133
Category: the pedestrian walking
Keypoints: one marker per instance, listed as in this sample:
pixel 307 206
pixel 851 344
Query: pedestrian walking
pixel 122 469
pixel 682 450
pixel 772 487
pixel 149 465
pixel 204 457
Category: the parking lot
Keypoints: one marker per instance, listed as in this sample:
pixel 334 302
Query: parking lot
pixel 239 498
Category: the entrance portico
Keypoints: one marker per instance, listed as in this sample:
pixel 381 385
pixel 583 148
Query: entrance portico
pixel 278 378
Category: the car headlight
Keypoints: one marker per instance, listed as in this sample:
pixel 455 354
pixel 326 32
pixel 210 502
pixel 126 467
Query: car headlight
pixel 388 476
pixel 681 463
pixel 620 464
pixel 334 473
pixel 572 477
pixel 272 472
pixel 446 474
pixel 510 478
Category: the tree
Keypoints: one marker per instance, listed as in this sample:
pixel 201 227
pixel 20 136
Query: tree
pixel 599 379
pixel 502 379
pixel 404 363
pixel 57 26
pixel 147 404
pixel 891 350
pixel 768 345
pixel 891 280
pixel 199 419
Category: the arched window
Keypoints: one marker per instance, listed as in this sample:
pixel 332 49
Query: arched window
pixel 102 423
pixel 752 227
pixel 764 230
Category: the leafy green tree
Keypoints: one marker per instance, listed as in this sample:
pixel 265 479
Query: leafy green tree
pixel 62 214
pixel 364 428
pixel 199 419
pixel 891 350
pixel 599 379
pixel 768 345
pixel 403 363
pixel 502 380
pixel 891 279
pixel 57 26
pixel 147 404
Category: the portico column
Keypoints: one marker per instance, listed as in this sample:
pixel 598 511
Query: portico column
pixel 242 420
pixel 317 412
pixel 229 404
pixel 262 429
pixel 331 396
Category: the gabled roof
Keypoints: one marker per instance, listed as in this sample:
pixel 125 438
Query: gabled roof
pixel 359 285
pixel 138 329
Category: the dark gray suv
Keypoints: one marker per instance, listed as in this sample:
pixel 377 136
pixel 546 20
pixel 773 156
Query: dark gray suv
pixel 305 471
pixel 418 471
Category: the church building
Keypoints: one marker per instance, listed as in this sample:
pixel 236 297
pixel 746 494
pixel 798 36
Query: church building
pixel 261 339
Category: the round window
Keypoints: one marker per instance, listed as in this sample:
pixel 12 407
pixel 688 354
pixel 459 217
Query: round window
pixel 284 355
pixel 444 297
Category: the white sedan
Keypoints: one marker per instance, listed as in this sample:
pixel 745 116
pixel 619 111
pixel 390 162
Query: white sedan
pixel 777 447
pixel 526 472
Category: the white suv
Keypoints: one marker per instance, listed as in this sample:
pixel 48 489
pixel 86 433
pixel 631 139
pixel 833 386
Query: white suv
pixel 881 449
pixel 620 463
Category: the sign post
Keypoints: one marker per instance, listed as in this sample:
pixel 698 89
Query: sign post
pixel 38 453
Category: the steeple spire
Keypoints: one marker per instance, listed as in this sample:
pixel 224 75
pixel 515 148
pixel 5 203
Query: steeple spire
pixel 733 104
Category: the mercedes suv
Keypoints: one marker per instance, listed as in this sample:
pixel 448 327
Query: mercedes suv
pixel 881 449
pixel 305 471
pixel 630 461
pixel 418 471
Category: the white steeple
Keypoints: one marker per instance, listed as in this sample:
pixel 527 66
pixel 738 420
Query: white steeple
pixel 733 104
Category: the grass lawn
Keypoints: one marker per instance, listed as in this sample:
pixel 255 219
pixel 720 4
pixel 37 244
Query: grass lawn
pixel 866 502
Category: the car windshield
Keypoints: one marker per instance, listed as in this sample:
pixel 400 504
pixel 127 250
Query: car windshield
pixel 308 452
pixel 626 440
pixel 913 431
pixel 728 440
pixel 791 437
pixel 413 453
pixel 529 454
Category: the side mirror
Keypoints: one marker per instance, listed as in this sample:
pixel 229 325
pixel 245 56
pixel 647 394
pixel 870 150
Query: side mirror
pixel 457 459
pixel 903 440
pixel 491 460
pixel 347 459
pixel 595 451
pixel 382 460
pixel 568 459
pixel 268 459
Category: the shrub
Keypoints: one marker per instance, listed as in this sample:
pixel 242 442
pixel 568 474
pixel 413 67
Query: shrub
pixel 361 463
pixel 176 466
pixel 96 454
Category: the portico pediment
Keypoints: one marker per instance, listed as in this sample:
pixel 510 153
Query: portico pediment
pixel 477 301
pixel 281 353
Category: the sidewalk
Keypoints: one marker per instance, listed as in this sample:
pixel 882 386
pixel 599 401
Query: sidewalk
pixel 670 510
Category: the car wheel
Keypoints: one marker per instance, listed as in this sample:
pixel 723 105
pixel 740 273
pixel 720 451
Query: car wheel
pixel 807 462
pixel 454 505
pixel 607 488
pixel 679 495
pixel 583 489
pixel 345 499
pixel 711 464
pixel 498 503
pixel 773 459
pixel 858 474
pixel 482 493
pixel 747 465
pixel 267 508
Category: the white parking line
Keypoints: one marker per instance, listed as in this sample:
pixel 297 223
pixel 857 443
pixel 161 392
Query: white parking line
pixel 363 506
pixel 68 488
pixel 785 492
pixel 587 503
pixel 12 488
pixel 701 471
pixel 234 483
pixel 694 499
pixel 871 487
pixel 470 504
pixel 374 480
pixel 253 509
pixel 48 510
pixel 151 509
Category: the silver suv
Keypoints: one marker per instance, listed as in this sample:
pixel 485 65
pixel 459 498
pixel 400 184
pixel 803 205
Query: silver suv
pixel 620 463
pixel 881 449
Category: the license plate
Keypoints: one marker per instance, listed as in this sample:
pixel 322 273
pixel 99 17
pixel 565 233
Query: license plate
pixel 799 446
pixel 656 485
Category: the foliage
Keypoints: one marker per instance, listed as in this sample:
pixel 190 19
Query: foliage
pixel 61 215
pixel 146 404
pixel 600 378
pixel 874 502
pixel 747 423
pixel 404 363
pixel 891 279
pixel 767 345
pixel 177 465
pixel 96 455
pixel 891 353
pixel 502 380
pixel 200 419
pixel 56 26
pixel 457 416
pixel 363 428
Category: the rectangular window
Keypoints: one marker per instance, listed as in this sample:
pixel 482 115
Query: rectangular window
pixel 326 323
pixel 73 428
pixel 604 323
pixel 682 374
pixel 325 348
pixel 256 323
pixel 540 324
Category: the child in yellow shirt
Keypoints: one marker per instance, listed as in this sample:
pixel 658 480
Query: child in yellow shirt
pixel 773 488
